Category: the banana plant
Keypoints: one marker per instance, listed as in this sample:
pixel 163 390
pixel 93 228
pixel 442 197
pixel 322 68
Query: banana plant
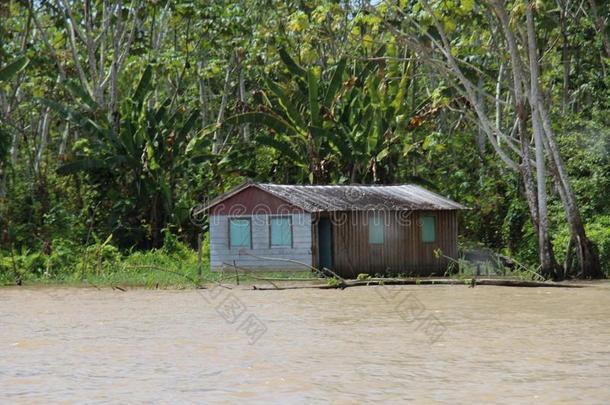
pixel 377 125
pixel 336 130
pixel 300 116
pixel 142 161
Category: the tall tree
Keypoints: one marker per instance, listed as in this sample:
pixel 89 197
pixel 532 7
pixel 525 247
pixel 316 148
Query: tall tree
pixel 427 34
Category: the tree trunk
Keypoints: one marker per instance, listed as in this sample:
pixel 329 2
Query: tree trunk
pixel 526 166
pixel 245 128
pixel 15 147
pixel 498 103
pixel 525 92
pixel 114 116
pixel 548 266
pixel 565 59
pixel 588 258
pixel 223 106
pixel 481 134
pixel 203 98
pixel 520 103
pixel 63 146
pixel 43 140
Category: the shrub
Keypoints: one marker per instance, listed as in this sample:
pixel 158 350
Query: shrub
pixel 65 255
pixel 598 230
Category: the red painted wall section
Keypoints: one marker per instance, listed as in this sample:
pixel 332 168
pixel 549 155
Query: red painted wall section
pixel 253 200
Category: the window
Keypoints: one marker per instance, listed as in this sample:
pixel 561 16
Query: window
pixel 428 229
pixel 376 225
pixel 281 231
pixel 239 232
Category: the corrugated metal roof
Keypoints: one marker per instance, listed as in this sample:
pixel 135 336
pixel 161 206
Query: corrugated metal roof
pixel 352 197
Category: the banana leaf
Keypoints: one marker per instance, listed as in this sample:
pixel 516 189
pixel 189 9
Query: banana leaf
pixel 271 121
pixel 81 94
pixel 14 67
pixel 143 86
pixel 292 66
pixel 335 83
pixel 314 107
pixel 281 146
pixel 286 103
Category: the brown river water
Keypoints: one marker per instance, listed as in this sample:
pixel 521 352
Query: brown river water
pixel 424 344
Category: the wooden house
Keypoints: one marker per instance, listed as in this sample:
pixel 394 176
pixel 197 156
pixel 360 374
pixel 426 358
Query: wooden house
pixel 350 229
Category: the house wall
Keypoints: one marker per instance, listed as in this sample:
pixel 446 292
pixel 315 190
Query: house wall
pixel 402 251
pixel 221 254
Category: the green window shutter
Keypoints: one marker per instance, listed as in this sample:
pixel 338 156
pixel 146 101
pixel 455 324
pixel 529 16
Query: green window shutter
pixel 428 229
pixel 239 232
pixel 376 225
pixel 281 231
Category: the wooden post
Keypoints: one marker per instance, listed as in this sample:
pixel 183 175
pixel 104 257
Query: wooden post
pixel 199 270
pixel 236 273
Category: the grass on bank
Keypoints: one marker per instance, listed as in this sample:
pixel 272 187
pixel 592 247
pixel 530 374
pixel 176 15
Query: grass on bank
pixel 174 265
pixel 101 264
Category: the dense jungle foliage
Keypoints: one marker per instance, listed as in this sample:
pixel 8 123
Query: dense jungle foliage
pixel 118 117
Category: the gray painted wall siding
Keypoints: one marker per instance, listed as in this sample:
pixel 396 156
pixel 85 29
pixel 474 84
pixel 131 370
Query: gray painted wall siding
pixel 221 254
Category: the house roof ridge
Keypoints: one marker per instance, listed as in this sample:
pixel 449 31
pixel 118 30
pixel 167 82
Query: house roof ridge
pixel 353 197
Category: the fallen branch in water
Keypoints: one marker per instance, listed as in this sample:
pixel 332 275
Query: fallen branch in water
pixel 400 281
pixel 246 272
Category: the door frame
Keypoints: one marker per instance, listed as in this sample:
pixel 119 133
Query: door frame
pixel 329 245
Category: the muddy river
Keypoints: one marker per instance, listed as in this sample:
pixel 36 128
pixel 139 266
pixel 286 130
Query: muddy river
pixel 426 344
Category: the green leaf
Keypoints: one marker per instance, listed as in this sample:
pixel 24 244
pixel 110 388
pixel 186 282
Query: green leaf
pixel 281 146
pixel 381 155
pixel 150 155
pixel 200 137
pixel 467 6
pixel 335 83
pixel 143 85
pixel 107 241
pixel 289 108
pixel 83 165
pixel 292 66
pixel 189 125
pixel 271 121
pixel 372 86
pixel 76 118
pixel 314 107
pixel 12 68
pixel 402 91
pixel 374 134
pixel 317 133
pixel 370 65
pixel 166 191
pixel 340 142
pixel 81 94
pixel 162 110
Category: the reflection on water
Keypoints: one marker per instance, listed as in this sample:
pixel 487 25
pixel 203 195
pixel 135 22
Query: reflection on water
pixel 500 345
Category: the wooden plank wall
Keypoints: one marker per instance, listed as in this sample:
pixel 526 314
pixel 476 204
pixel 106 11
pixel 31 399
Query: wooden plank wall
pixel 402 251
pixel 301 250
